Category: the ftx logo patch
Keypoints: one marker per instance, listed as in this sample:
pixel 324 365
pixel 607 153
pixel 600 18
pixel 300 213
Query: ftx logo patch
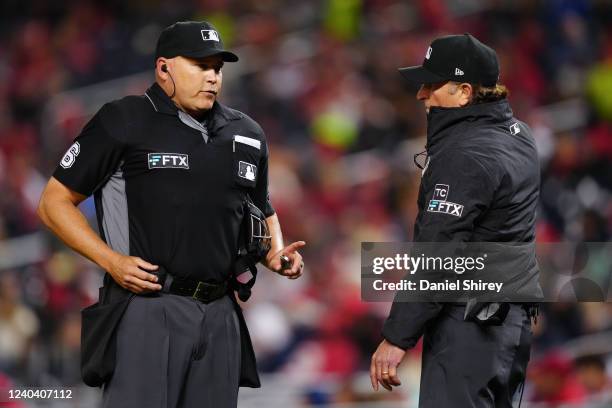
pixel 168 161
pixel 439 203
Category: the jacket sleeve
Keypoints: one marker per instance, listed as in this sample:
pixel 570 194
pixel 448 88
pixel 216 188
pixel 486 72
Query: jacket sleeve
pixel 455 190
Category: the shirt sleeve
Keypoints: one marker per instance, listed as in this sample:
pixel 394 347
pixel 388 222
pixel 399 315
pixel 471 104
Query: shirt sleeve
pixel 95 154
pixel 456 190
pixel 261 195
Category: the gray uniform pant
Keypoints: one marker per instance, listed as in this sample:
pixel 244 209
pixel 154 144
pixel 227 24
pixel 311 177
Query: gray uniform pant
pixel 468 365
pixel 176 352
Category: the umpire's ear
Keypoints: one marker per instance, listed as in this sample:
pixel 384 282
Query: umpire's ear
pixel 466 92
pixel 161 68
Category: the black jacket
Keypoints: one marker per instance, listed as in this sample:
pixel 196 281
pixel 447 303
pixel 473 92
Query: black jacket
pixel 481 184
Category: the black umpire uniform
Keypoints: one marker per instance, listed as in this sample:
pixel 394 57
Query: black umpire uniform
pixel 171 190
pixel 485 162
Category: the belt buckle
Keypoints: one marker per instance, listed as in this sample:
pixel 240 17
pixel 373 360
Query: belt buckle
pixel 198 288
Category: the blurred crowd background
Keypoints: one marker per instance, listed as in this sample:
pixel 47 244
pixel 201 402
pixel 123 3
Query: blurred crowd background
pixel 320 77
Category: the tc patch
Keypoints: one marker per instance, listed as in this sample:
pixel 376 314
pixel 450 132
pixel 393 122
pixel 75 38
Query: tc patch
pixel 70 156
pixel 247 170
pixel 439 203
pixel 440 192
pixel 168 161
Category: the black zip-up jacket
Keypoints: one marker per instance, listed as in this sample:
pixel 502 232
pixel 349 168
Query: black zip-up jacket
pixel 481 184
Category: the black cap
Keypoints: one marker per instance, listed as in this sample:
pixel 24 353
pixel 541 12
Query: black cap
pixel 194 39
pixel 460 58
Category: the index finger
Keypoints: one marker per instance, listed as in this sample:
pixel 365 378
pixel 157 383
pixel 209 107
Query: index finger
pixel 373 374
pixel 294 246
pixel 144 264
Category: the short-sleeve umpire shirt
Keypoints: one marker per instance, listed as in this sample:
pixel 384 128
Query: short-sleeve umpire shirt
pixel 168 188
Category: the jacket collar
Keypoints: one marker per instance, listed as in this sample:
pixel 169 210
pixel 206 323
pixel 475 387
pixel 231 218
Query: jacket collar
pixel 218 116
pixel 441 120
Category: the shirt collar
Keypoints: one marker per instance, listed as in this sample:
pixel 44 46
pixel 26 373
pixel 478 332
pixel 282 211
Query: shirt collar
pixel 440 120
pixel 219 115
pixel 160 101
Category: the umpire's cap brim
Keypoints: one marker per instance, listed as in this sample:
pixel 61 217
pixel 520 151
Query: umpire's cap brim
pixel 227 56
pixel 420 75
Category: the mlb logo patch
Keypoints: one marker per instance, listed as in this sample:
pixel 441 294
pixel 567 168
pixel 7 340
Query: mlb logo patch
pixel 515 129
pixel 247 170
pixel 210 35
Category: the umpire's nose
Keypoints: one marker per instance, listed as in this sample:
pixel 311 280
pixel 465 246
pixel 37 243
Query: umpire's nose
pixel 423 92
pixel 211 76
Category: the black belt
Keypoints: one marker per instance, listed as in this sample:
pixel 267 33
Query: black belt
pixel 205 292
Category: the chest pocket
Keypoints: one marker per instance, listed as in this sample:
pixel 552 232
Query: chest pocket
pixel 246 155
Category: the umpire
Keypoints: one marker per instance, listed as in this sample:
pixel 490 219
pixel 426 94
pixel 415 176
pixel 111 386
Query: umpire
pixel 178 180
pixel 485 162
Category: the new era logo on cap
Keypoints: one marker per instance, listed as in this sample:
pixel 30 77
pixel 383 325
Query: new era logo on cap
pixel 210 35
pixel 458 72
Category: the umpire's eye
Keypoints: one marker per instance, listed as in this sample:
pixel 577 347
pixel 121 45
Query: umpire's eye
pixel 215 67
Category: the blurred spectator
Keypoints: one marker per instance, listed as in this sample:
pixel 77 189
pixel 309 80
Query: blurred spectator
pixel 591 373
pixel 18 326
pixel 554 380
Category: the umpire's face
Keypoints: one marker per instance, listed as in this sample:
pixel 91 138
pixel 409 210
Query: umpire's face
pixel 444 94
pixel 197 81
